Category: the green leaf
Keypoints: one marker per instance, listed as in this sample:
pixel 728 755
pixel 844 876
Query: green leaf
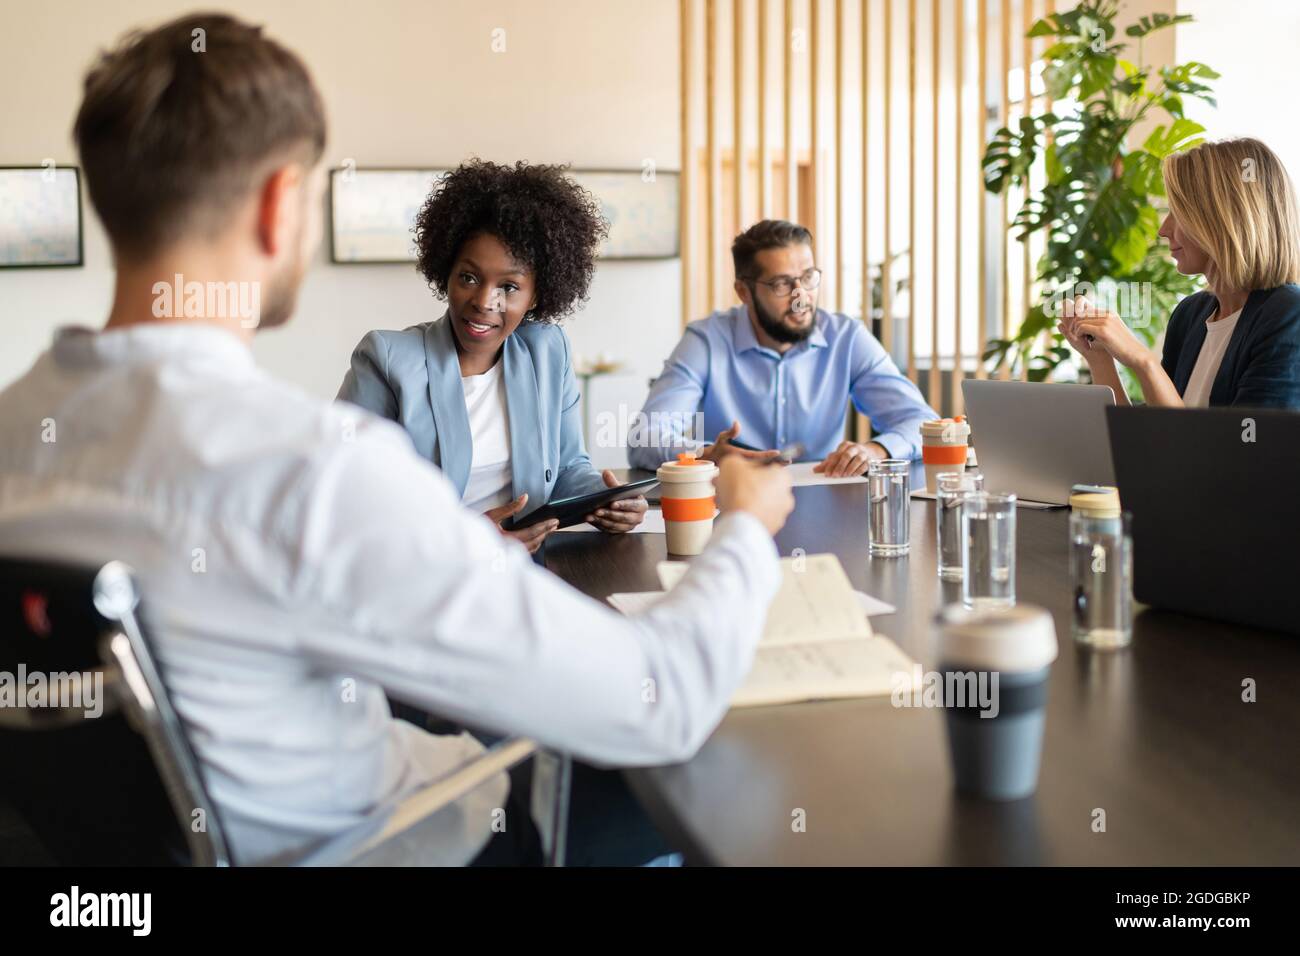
pixel 1058 80
pixel 1178 136
pixel 1097 74
pixel 1057 51
pixel 1046 27
pixel 1157 21
pixel 1052 164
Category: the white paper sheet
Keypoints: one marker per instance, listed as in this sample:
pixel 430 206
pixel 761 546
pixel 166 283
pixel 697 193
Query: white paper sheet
pixel 825 670
pixel 634 602
pixel 802 475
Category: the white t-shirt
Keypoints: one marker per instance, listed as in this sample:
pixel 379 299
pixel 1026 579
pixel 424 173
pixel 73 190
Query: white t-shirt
pixel 1217 335
pixel 490 480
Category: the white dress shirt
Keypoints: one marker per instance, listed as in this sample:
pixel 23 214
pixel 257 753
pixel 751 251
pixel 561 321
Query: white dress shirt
pixel 490 479
pixel 296 556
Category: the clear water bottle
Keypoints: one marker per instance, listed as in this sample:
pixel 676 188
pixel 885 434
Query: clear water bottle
pixel 1101 567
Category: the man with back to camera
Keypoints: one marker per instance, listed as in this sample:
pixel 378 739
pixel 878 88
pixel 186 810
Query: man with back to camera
pixel 277 537
pixel 776 370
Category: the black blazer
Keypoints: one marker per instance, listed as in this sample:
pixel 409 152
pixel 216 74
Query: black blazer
pixel 1261 367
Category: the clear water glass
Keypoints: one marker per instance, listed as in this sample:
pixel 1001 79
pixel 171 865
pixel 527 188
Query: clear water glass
pixel 889 497
pixel 951 489
pixel 988 523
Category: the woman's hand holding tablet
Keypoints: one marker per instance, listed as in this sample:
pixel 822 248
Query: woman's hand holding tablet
pixel 570 511
pixel 530 536
pixel 621 515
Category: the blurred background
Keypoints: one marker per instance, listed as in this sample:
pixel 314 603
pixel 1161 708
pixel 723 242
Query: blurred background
pixel 657 87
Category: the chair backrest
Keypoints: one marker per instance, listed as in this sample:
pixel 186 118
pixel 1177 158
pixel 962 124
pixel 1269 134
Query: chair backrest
pixel 95 759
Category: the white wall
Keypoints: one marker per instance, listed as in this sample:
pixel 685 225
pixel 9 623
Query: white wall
pixel 406 82
pixel 1253 44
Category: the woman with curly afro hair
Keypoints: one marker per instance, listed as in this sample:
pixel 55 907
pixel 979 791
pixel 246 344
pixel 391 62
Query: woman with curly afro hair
pixel 487 391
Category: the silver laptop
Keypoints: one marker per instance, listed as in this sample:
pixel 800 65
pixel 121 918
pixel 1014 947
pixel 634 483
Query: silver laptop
pixel 1038 440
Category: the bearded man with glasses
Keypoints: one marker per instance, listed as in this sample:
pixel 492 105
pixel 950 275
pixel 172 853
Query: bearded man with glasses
pixel 779 371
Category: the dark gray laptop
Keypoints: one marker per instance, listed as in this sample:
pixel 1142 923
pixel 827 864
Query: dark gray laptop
pixel 1216 510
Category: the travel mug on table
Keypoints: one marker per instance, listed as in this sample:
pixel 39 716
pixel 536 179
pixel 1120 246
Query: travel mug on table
pixel 688 502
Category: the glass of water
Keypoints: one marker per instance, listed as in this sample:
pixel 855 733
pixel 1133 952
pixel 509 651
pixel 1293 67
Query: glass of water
pixel 988 523
pixel 951 489
pixel 888 491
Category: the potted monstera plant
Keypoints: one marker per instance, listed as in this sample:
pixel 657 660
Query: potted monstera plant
pixel 1102 203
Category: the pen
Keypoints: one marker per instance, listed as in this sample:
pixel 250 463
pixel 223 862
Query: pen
pixel 789 454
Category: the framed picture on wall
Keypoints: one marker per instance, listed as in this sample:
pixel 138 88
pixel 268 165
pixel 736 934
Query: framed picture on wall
pixel 373 210
pixel 40 216
pixel 642 212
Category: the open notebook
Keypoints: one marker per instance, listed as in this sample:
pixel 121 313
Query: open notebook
pixel 817 643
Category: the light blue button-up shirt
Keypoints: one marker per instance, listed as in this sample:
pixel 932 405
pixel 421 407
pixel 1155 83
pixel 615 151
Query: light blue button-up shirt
pixel 719 373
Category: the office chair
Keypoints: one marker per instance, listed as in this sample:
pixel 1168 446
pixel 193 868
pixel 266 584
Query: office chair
pixel 107 777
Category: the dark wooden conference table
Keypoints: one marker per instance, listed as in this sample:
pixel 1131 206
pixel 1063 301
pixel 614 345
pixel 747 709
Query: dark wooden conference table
pixel 1156 736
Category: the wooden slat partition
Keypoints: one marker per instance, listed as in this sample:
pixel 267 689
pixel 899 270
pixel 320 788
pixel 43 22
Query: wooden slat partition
pixel 839 156
pixel 1004 256
pixel 959 85
pixel 764 151
pixel 814 126
pixel 935 383
pixel 1026 107
pixel 981 117
pixel 738 110
pixel 686 196
pixel 913 285
pixel 790 165
pixel 865 57
pixel 887 253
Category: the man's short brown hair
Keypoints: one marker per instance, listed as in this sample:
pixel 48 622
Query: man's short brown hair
pixel 767 234
pixel 178 122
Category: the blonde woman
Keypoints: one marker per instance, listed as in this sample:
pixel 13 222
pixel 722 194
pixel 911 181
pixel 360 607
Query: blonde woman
pixel 1232 218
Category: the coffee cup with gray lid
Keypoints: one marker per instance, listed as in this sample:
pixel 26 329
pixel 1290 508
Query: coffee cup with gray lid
pixel 995 664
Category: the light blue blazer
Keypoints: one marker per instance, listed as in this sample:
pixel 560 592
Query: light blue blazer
pixel 413 378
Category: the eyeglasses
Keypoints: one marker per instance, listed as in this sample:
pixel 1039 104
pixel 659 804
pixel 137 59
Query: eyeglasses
pixel 784 285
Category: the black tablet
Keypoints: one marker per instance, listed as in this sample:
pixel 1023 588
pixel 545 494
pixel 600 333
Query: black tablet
pixel 571 511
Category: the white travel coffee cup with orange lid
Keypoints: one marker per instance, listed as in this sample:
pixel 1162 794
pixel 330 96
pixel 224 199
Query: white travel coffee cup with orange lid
pixel 944 445
pixel 688 501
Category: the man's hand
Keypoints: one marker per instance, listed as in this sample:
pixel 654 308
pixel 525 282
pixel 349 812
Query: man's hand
pixel 618 516
pixel 850 459
pixel 762 491
pixel 530 537
pixel 722 448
